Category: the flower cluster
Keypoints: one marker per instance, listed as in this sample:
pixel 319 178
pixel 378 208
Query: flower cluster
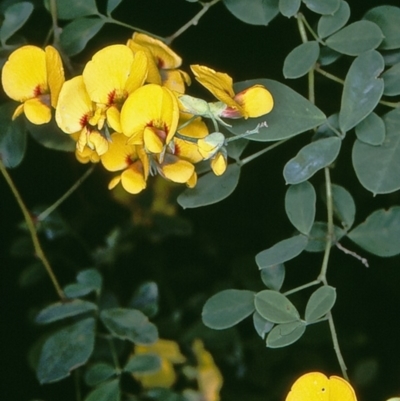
pixel 128 109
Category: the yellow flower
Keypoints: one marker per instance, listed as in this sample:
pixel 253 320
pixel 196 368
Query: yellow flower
pixel 163 62
pixel 252 102
pixel 149 117
pixel 129 158
pixel 33 77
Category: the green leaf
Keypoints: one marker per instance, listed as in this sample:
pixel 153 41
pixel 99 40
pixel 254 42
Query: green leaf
pixel 391 79
pixel 275 307
pixel 98 373
pixel 273 276
pixel 12 137
pixel 329 129
pixel 63 310
pixel 258 12
pixel 146 363
pixel 281 252
pixel 327 55
pixel 283 335
pixel 318 235
pixel 377 167
pixel 371 130
pixel 50 136
pixel 329 24
pixel 391 57
pixel 130 324
pixel 344 207
pixel 109 391
pixel 146 299
pixel 301 59
pixel 15 17
pixel 66 350
pixel 87 281
pixel 112 5
pixel 227 308
pixel 211 188
pixel 322 7
pixel 75 36
pixel 387 18
pixel 379 234
pixel 289 8
pixel 356 38
pixel 362 89
pixel 320 303
pixel 300 206
pixel 236 148
pixel 74 8
pixel 310 159
pixel 262 326
pixel 292 113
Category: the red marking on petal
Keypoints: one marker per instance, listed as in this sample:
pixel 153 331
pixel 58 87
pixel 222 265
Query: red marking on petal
pixel 84 120
pixel 111 97
pixel 160 63
pixel 37 91
pixel 177 149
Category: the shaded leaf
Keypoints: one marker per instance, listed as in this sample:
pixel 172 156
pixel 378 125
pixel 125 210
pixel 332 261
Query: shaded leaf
pixel 329 24
pixel 379 234
pixel 275 307
pixel 236 148
pixel 262 326
pixel 112 5
pixel 300 206
pixel 356 38
pixel 130 324
pixel 283 335
pixel 292 113
pixel 281 252
pixel 377 167
pixel 12 137
pixel 318 235
pixel 211 188
pixel 301 59
pixel 258 12
pixel 273 276
pixel 15 17
pixel 66 350
pixel 75 8
pixel 327 55
pixel 320 303
pixel 329 129
pixel 310 159
pixel 146 363
pixel 98 373
pixel 75 36
pixel 63 310
pixel 146 299
pixel 322 7
pixel 108 391
pixel 362 89
pixel 289 8
pixel 87 281
pixel 344 207
pixel 391 57
pixel 391 79
pixel 227 308
pixel 387 18
pixel 371 130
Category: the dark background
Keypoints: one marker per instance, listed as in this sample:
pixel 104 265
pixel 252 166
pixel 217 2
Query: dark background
pixel 224 238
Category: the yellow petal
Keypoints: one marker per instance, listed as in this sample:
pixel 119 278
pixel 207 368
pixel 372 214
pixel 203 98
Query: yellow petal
pixel 164 348
pixel 209 145
pixel 113 118
pixel 24 74
pixel 37 112
pixel 165 377
pixel 74 106
pixel 195 129
pixel 119 155
pixel 152 142
pixel 18 111
pixel 55 73
pixel 176 170
pixel 255 101
pixel 132 179
pixel 97 142
pixel 114 182
pixel 187 150
pixel 138 73
pixel 87 155
pixel 219 164
pixel 166 58
pixel 105 76
pixel 175 80
pixel 192 181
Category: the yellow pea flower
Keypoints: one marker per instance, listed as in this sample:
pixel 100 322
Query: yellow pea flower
pixel 34 77
pixel 252 102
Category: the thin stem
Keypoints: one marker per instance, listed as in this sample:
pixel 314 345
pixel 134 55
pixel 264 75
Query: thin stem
pixel 311 86
pixel 313 34
pixel 194 21
pixel 56 28
pixel 32 230
pixel 302 30
pixel 329 75
pixel 58 202
pixel 302 287
pixel 395 105
pixel 114 353
pixel 261 152
pixel 364 261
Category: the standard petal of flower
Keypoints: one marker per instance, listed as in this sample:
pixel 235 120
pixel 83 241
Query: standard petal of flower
pixel 37 112
pixel 219 164
pixel 166 58
pixel 119 155
pixel 114 118
pixel 97 142
pixel 87 155
pixel 55 73
pixel 74 106
pixel 138 73
pixel 24 74
pixel 256 101
pixel 152 142
pixel 174 80
pixel 106 74
pixel 177 170
pixel 132 179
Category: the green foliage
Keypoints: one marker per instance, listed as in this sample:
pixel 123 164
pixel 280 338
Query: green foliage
pixel 15 18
